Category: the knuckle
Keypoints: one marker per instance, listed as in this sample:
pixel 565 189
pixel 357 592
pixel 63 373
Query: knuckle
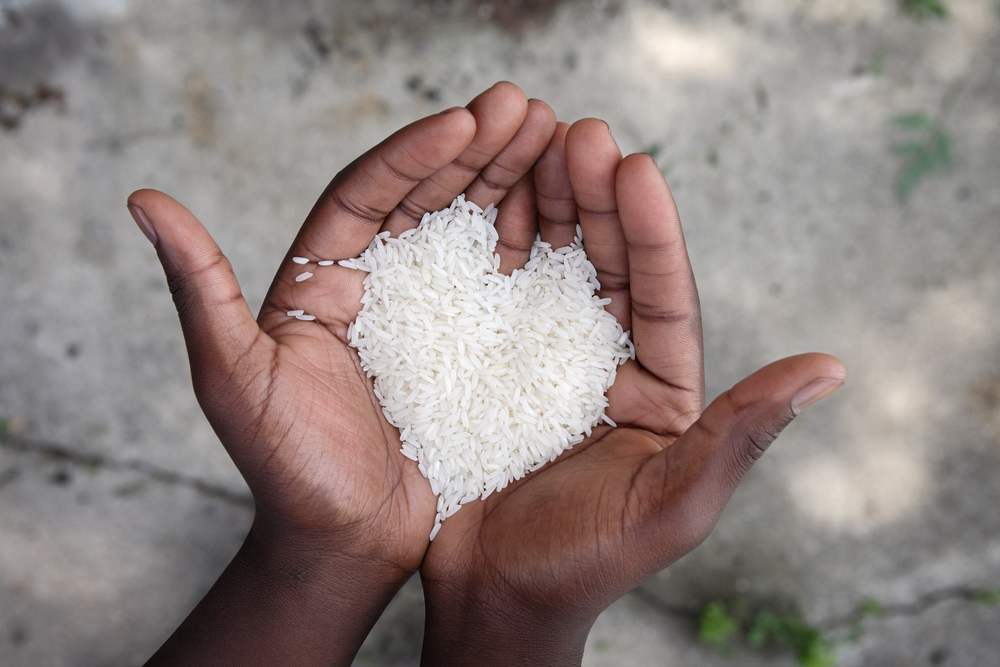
pixel 613 282
pixel 411 209
pixel 515 245
pixel 491 179
pixel 395 172
pixel 469 167
pixel 659 314
pixel 361 212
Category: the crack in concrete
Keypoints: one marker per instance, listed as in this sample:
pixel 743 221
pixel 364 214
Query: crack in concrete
pixel 845 622
pixel 62 453
pixel 850 621
pixel 914 608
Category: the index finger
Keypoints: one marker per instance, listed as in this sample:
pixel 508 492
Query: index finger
pixel 353 207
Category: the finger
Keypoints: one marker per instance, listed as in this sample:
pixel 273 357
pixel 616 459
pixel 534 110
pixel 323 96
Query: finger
pixel 698 473
pixel 516 158
pixel 498 113
pixel 517 225
pixel 219 329
pixel 666 315
pixel 557 215
pixel 592 159
pixel 355 205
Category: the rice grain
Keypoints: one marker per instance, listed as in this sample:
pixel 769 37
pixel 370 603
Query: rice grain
pixel 488 377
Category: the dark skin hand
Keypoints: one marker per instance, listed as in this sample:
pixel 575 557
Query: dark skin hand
pixel 342 517
pixel 520 577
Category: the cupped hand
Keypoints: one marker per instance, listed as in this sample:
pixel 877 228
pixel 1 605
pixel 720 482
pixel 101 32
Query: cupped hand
pixel 520 577
pixel 288 398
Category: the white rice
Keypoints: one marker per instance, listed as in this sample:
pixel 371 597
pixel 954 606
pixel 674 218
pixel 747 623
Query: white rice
pixel 303 276
pixel 300 260
pixel 326 262
pixel 487 377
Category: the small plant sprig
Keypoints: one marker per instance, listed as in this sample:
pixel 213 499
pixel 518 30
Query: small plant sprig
pixel 717 626
pixel 720 625
pixel 988 598
pixel 928 153
pixel 807 642
pixel 925 8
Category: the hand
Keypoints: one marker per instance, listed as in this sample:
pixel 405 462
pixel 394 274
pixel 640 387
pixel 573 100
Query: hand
pixel 520 577
pixel 342 518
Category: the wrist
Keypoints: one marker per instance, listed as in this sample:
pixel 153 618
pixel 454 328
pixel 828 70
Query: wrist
pixel 328 565
pixel 484 630
pixel 285 598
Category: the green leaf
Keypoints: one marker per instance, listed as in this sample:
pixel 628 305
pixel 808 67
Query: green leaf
pixel 940 150
pixel 807 642
pixel 925 8
pixel 878 64
pixel 871 608
pixel 764 626
pixel 909 178
pixel 816 656
pixel 716 626
pixel 912 121
pixel 988 598
pixel 924 157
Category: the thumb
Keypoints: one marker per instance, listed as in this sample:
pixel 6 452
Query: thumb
pixel 217 323
pixel 714 454
pixel 739 426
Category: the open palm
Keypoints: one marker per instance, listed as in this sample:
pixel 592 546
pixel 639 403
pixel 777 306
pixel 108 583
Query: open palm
pixel 287 397
pixel 558 546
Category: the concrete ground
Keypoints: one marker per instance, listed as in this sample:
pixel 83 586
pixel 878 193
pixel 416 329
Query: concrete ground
pixel 874 518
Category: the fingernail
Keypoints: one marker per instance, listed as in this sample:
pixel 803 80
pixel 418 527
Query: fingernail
pixel 813 392
pixel 140 219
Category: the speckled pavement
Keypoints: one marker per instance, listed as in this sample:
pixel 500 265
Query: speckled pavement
pixel 874 517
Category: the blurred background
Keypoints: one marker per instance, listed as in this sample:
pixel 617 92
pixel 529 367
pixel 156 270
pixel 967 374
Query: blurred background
pixel 837 167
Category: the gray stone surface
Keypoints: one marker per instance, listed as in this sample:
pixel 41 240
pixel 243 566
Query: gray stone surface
pixel 118 507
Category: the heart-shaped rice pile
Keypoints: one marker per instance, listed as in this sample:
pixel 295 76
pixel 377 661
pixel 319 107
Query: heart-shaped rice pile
pixel 487 376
